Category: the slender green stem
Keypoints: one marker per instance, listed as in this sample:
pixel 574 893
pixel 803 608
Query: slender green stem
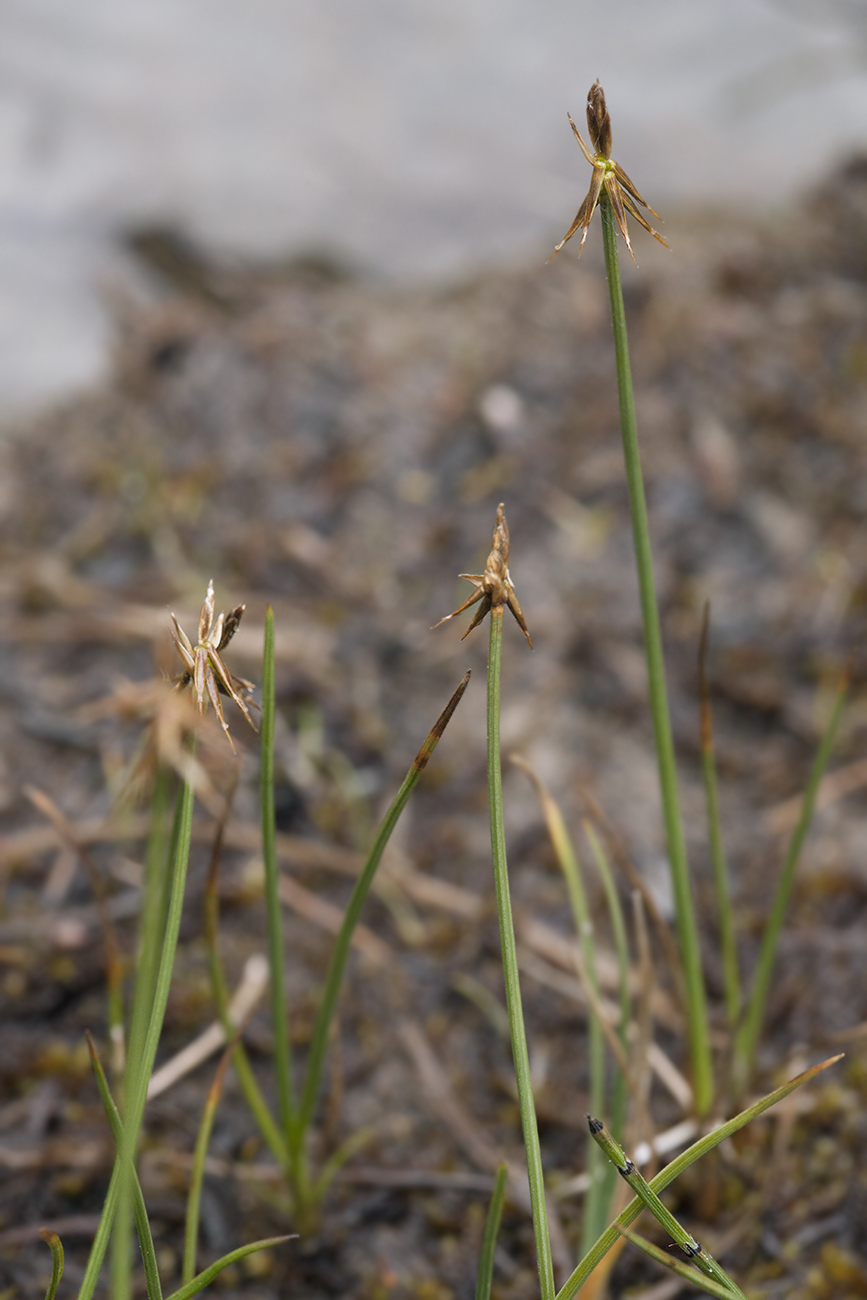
pixel 728 942
pixel 203 1279
pixel 671 1171
pixel 748 1035
pixel 244 1070
pixel 197 1178
pixel 142 1223
pixel 55 1245
pixel 489 1241
pixel 136 1094
pixel 510 966
pixel 691 1248
pixel 279 1015
pixel 598 1199
pixel 699 1042
pixel 621 947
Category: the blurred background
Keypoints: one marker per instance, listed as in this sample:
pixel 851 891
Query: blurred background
pixel 408 139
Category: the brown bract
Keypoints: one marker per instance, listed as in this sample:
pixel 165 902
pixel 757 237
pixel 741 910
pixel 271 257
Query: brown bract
pixel 607 175
pixel 494 586
pixel 204 666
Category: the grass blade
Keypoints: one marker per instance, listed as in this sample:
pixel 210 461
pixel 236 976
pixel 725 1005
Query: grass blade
pixel 340 954
pixel 137 1084
pixel 691 1248
pixel 690 1275
pixel 599 1193
pixel 142 1223
pixel 748 1034
pixel 671 1171
pixel 55 1245
pixel 197 1177
pixel 252 1093
pixel 203 1279
pixel 489 1240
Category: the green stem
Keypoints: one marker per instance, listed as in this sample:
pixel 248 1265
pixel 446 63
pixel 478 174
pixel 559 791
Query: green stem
pixel 510 966
pixel 699 1042
pixel 136 1089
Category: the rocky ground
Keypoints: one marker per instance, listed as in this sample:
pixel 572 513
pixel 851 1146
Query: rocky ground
pixel 338 450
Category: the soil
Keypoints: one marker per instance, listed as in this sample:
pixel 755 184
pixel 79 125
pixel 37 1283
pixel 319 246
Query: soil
pixel 337 450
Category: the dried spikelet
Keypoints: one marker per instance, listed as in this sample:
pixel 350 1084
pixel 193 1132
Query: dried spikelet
pixel 607 175
pixel 493 587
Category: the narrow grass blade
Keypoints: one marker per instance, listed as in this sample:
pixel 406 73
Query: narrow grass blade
pixel 690 1275
pixel 55 1245
pixel 142 1223
pixel 252 1093
pixel 340 954
pixel 279 1016
pixel 489 1240
pixel 673 1170
pixel 687 929
pixel 510 967
pixel 621 947
pixel 598 1199
pixel 203 1279
pixel 197 1177
pixel 691 1248
pixel 335 1162
pixel 748 1034
pixel 728 942
pixel 136 1092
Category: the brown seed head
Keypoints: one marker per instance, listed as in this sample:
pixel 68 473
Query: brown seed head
pixel 609 182
pixel 493 587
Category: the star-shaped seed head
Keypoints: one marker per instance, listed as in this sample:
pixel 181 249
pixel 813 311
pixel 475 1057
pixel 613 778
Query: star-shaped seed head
pixel 608 175
pixel 493 587
pixel 203 663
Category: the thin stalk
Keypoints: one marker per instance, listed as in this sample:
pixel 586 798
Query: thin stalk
pixel 136 1092
pixel 621 947
pixel 142 1223
pixel 203 1279
pixel 55 1245
pixel 343 942
pixel 728 942
pixel 279 1016
pixel 748 1035
pixel 220 993
pixel 197 1177
pixel 649 1198
pixel 699 1041
pixel 149 949
pixel 489 1241
pixel 510 966
pixel 598 1196
pixel 667 1175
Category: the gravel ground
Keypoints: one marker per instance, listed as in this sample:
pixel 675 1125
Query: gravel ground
pixel 338 450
